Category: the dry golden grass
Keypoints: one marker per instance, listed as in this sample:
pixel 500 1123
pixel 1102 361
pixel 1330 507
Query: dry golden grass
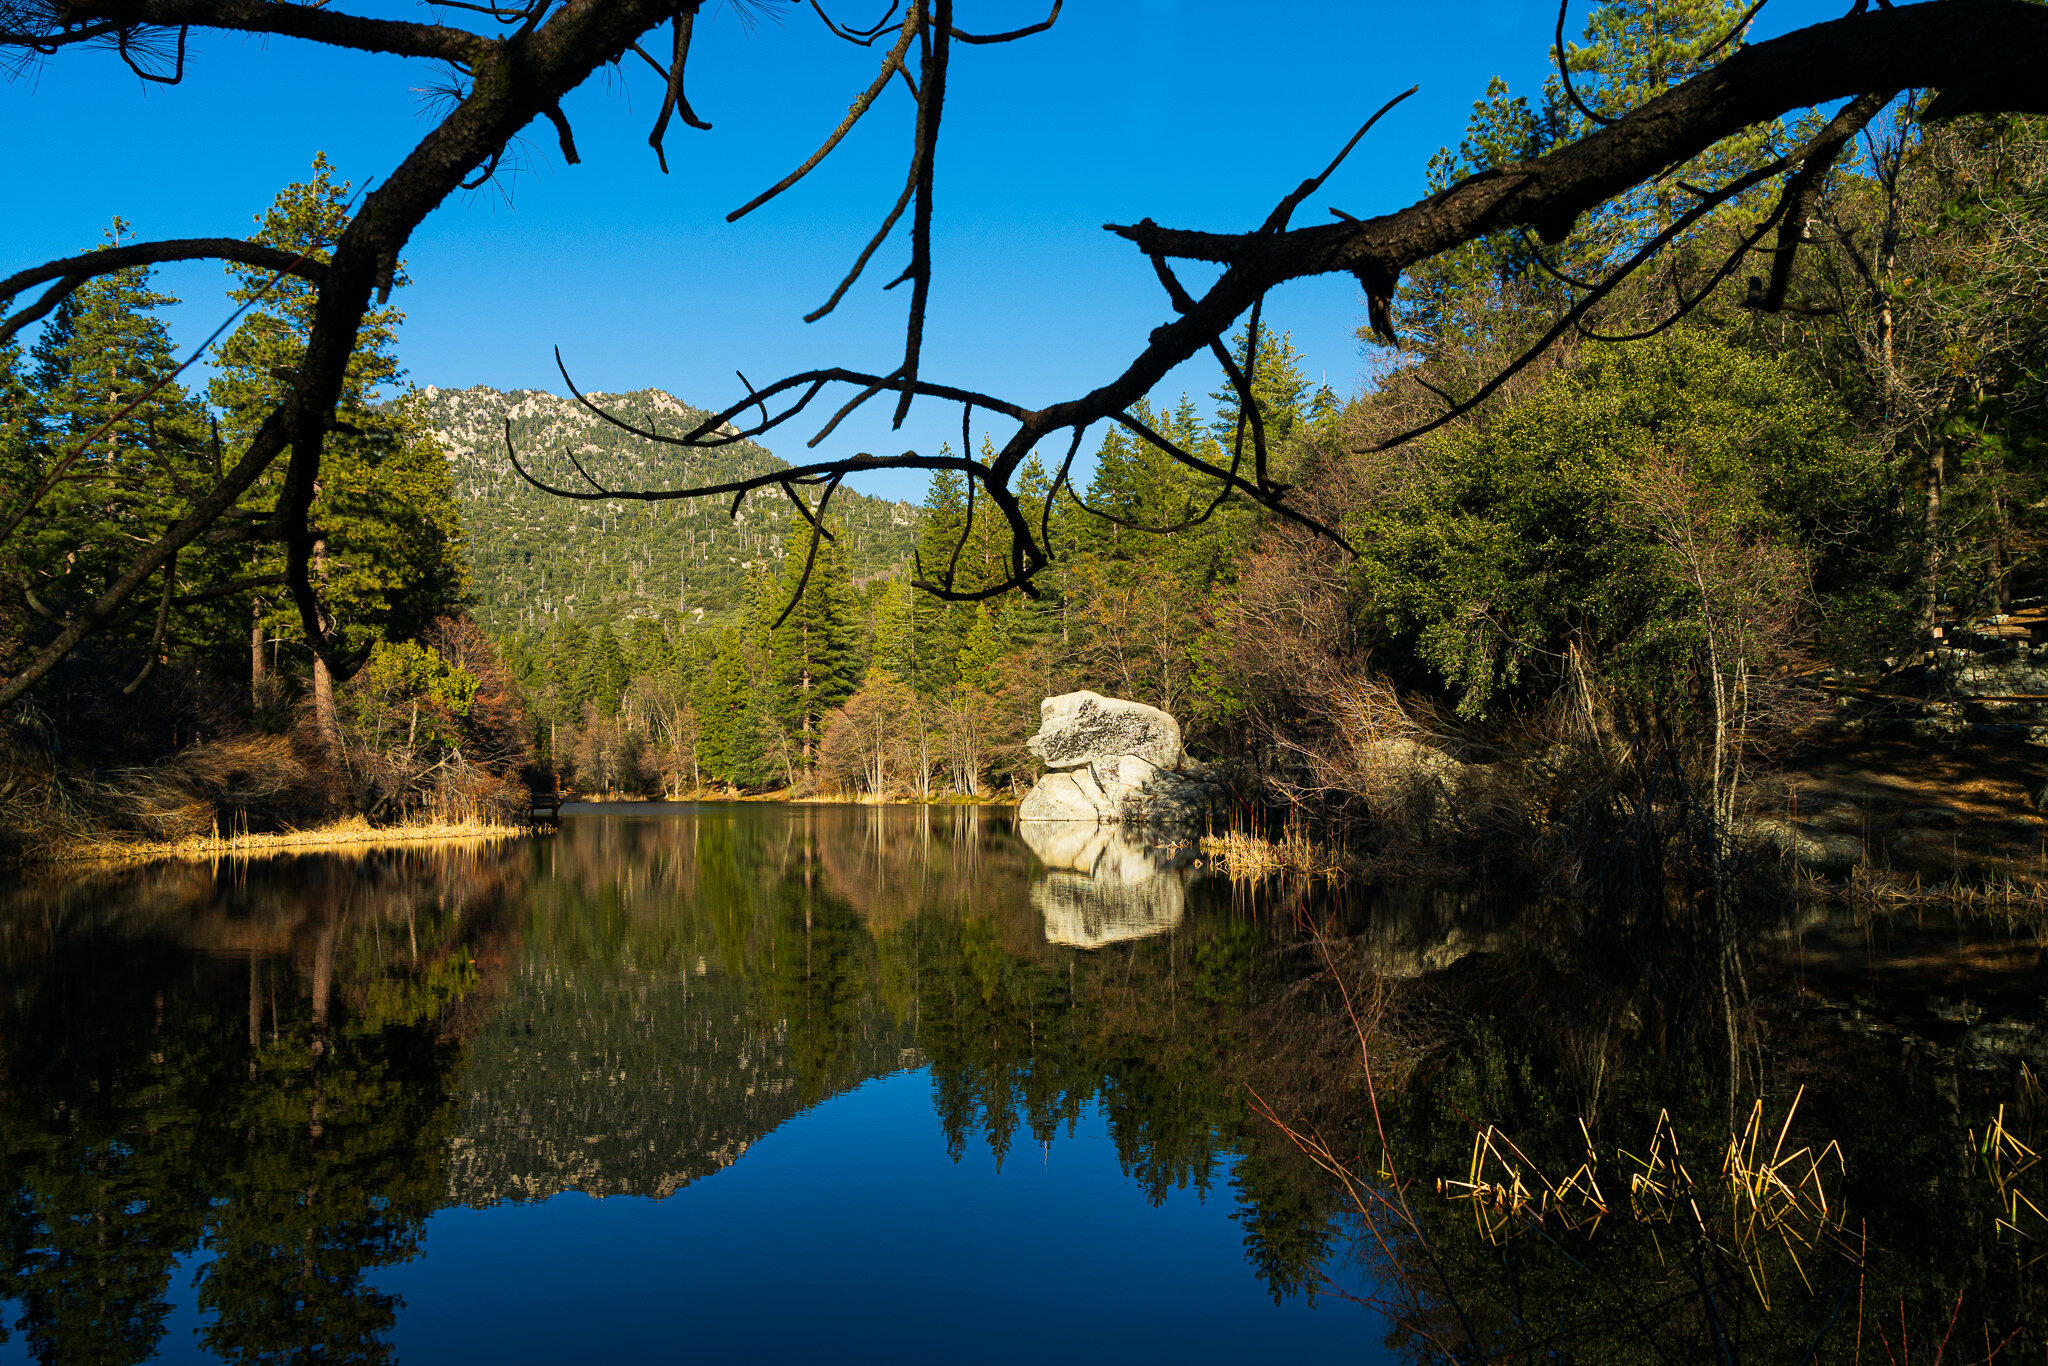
pixel 352 831
pixel 1245 857
pixel 2024 898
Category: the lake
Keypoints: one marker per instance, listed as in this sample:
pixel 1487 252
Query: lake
pixel 774 1082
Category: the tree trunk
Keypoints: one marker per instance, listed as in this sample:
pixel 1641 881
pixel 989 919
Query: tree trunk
pixel 323 979
pixel 1931 602
pixel 326 719
pixel 257 681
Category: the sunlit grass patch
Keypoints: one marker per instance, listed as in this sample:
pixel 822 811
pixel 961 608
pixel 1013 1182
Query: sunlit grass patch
pixel 1244 856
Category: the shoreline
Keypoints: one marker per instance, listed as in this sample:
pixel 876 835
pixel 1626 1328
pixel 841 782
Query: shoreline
pixel 353 832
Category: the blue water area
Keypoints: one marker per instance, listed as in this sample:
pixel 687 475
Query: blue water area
pixel 850 1235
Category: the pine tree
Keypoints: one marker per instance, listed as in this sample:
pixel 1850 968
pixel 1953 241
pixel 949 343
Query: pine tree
pixel 51 366
pixel 1278 386
pixel 748 755
pixel 1636 50
pixel 1490 298
pixel 1452 303
pixel 813 655
pixel 391 554
pixel 127 449
pixel 647 649
pixel 891 608
pixel 569 671
pixel 982 651
pixel 607 671
pixel 722 708
pixel 935 625
pixel 19 431
pixel 1027 619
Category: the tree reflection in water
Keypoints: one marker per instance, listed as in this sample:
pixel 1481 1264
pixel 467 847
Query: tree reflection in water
pixel 255 1063
pixel 278 1070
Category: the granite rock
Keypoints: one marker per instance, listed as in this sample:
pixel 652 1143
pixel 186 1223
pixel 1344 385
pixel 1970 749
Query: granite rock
pixel 1079 728
pixel 1822 851
pixel 1114 762
pixel 1102 884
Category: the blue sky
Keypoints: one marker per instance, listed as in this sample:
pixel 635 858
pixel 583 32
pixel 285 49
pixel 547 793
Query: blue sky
pixel 1192 112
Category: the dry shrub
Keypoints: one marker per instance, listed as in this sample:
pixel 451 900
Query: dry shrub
pixel 240 783
pixel 391 786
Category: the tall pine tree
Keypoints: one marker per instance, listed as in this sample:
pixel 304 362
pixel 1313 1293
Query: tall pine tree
pixel 813 657
pixel 390 554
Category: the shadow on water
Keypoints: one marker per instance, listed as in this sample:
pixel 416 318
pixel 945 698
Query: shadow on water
pixel 277 1071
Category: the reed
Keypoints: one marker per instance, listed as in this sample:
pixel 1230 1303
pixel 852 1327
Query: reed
pixel 2023 899
pixel 1245 857
pixel 2012 1165
pixel 1766 1193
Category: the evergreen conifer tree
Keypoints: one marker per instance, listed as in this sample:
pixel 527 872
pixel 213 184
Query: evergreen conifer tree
pixel 748 752
pixel 123 449
pixel 391 555
pixel 1635 51
pixel 936 625
pixel 648 650
pixel 722 712
pixel 1489 298
pixel 982 650
pixel 813 655
pixel 48 360
pixel 1278 386
pixel 607 671
pixel 19 431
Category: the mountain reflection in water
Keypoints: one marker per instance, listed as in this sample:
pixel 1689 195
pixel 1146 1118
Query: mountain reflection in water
pixel 236 1101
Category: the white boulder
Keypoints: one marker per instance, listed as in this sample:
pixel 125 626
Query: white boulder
pixel 1113 761
pixel 1083 727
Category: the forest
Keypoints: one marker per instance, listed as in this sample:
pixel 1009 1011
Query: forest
pixel 1676 513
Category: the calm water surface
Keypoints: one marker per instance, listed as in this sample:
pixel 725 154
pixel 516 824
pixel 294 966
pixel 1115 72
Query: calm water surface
pixel 772 1083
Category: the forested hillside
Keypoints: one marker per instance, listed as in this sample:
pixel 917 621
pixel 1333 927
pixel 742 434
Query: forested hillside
pixel 539 560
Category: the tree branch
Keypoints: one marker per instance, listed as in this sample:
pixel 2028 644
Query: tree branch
pixel 79 21
pixel 76 270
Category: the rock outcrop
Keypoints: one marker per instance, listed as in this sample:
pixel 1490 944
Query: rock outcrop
pixel 1114 760
pixel 1802 843
pixel 1409 781
pixel 1080 728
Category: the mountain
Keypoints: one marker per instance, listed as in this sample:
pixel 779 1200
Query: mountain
pixel 538 558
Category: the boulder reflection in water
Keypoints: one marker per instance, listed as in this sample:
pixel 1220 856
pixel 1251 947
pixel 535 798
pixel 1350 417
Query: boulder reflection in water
pixel 1102 884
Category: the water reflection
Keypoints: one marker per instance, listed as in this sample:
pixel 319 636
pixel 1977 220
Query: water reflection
pixel 276 1073
pixel 260 1067
pixel 1103 884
